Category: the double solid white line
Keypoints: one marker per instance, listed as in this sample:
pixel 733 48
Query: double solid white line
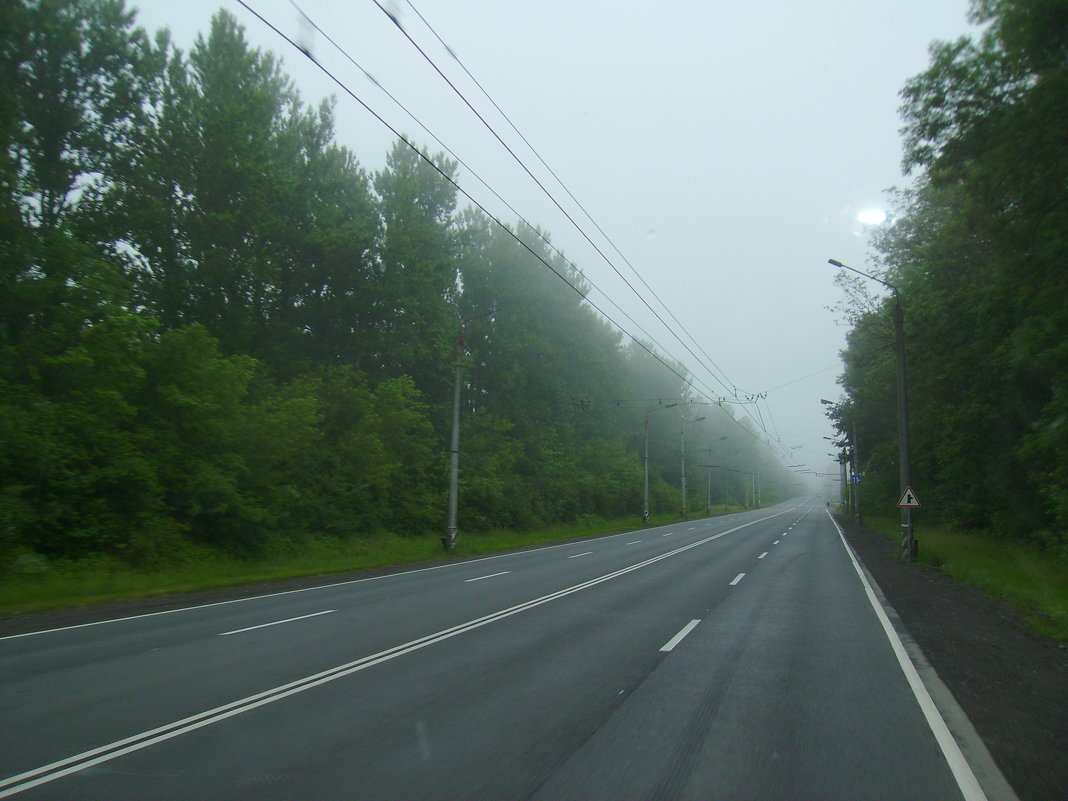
pixel 95 756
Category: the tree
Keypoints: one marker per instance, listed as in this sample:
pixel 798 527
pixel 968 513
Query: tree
pixel 979 255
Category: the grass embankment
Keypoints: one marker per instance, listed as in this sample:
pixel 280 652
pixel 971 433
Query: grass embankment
pixel 75 583
pixel 1034 581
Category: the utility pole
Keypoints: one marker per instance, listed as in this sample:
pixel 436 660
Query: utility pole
pixel 645 493
pixel 682 469
pixel 449 540
pixel 909 546
pixel 858 474
pixel 708 496
pixel 682 456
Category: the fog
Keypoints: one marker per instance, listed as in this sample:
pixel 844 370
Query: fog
pixel 727 149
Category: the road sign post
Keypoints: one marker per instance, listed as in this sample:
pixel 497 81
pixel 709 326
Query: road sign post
pixel 908 501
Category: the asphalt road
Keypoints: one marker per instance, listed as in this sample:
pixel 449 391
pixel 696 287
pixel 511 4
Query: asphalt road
pixel 738 657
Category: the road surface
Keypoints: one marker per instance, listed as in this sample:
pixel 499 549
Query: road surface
pixel 739 657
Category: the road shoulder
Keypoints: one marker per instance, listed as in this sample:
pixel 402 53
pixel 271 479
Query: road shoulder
pixel 1009 682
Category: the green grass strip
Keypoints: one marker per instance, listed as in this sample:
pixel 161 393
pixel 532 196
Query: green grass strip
pixel 1034 581
pixel 64 584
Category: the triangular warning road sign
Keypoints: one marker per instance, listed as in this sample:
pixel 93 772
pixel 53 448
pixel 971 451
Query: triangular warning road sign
pixel 909 499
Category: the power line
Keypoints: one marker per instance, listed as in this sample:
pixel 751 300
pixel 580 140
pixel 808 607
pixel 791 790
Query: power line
pixel 493 217
pixel 547 193
pixel 426 158
pixel 571 195
pixel 537 232
pixel 454 183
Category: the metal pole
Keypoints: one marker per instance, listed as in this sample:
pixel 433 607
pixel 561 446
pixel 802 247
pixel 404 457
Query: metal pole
pixel 909 547
pixel 449 541
pixel 645 494
pixel 856 465
pixel 708 494
pixel 843 484
pixel 682 456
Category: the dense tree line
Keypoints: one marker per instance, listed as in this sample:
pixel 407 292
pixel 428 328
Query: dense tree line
pixel 980 253
pixel 217 327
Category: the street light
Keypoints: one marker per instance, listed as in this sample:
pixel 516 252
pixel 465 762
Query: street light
pixel 908 540
pixel 708 497
pixel 682 456
pixel 645 494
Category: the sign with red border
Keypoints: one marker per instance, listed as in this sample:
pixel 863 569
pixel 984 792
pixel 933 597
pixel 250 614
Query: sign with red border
pixel 909 499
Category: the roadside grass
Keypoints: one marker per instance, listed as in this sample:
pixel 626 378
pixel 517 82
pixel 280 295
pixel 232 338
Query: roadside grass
pixel 65 583
pixel 1034 581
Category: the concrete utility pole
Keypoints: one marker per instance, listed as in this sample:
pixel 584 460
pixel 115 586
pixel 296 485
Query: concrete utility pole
pixel 708 496
pixel 449 540
pixel 858 474
pixel 645 493
pixel 909 545
pixel 682 456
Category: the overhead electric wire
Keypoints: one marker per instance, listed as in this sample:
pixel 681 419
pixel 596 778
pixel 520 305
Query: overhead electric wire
pixel 547 193
pixel 426 158
pixel 493 217
pixel 571 195
pixel 534 229
pixel 460 189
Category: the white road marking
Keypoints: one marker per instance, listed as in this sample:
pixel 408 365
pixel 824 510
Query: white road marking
pixel 313 589
pixel 691 528
pixel 776 542
pixel 962 771
pixel 577 555
pixel 95 756
pixel 491 575
pixel 277 622
pixel 668 534
pixel 633 543
pixel 678 637
pixel 738 578
pixel 762 555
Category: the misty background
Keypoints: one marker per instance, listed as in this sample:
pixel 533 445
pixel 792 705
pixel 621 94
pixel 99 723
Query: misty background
pixel 726 149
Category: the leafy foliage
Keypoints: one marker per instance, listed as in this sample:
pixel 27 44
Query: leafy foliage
pixel 217 331
pixel 979 254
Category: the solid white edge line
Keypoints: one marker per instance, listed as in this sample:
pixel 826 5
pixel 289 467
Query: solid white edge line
pixel 491 575
pixel 577 555
pixel 738 578
pixel 277 622
pixel 958 765
pixel 670 644
pixel 64 767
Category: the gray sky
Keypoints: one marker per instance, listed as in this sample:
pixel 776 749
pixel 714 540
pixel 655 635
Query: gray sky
pixel 726 147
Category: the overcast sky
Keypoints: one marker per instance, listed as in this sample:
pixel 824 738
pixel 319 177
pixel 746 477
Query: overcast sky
pixel 725 147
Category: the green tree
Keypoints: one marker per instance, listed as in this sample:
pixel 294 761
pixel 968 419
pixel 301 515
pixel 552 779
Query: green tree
pixel 979 254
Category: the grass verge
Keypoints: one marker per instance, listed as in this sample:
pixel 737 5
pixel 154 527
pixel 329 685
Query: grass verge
pixel 1034 581
pixel 79 582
